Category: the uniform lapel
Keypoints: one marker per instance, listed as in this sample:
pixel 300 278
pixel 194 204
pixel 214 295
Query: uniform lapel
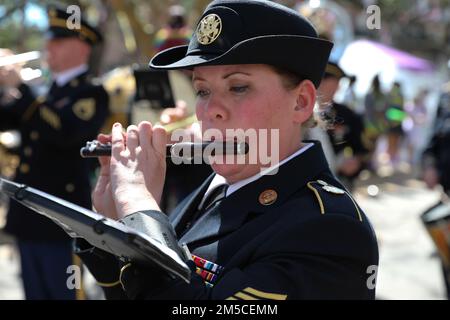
pixel 237 208
pixel 186 209
pixel 57 92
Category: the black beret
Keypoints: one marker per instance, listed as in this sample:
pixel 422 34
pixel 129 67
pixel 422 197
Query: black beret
pixel 251 32
pixel 58 27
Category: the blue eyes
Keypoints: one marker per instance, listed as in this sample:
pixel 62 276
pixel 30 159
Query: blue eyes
pixel 202 93
pixel 205 93
pixel 239 89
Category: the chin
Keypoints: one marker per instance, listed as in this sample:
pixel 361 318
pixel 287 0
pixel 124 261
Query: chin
pixel 228 171
pixel 234 172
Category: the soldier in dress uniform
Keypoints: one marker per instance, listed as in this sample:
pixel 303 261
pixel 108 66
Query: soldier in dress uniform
pixel 53 129
pixel 436 162
pixel 346 132
pixel 294 233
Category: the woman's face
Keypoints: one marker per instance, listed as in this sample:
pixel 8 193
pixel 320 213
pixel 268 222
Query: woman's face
pixel 247 97
pixel 66 53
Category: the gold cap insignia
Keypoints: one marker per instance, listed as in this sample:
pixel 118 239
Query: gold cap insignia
pixel 84 109
pixel 332 189
pixel 209 29
pixel 268 197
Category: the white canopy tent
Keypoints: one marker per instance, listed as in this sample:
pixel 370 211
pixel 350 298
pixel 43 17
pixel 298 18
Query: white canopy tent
pixel 365 59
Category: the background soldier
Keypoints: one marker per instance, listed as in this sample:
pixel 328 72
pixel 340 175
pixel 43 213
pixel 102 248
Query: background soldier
pixel 347 130
pixel 53 129
pixel 436 161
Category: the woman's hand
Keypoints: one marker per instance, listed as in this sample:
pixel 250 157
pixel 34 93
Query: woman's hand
pixel 137 167
pixel 102 197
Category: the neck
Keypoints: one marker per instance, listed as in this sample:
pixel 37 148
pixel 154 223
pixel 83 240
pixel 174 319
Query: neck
pixel 70 68
pixel 65 76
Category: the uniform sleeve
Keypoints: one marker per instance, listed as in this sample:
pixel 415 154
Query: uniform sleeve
pixel 330 257
pixel 13 113
pixel 103 266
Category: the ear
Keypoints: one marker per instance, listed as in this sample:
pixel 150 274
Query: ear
pixel 306 98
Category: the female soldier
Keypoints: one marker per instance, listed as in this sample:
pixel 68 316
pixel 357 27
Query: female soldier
pixel 290 235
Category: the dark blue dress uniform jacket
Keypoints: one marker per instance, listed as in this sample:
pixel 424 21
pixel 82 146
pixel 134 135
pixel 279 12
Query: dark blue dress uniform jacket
pixel 305 239
pixel 53 129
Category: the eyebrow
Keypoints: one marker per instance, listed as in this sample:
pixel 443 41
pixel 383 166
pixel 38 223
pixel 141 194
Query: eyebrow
pixel 197 78
pixel 235 72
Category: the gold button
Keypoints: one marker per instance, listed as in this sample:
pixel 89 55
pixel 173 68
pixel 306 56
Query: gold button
pixel 268 197
pixel 34 135
pixel 24 168
pixel 70 187
pixel 27 151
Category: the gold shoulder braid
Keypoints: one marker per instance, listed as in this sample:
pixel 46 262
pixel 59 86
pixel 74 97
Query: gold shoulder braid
pixel 318 187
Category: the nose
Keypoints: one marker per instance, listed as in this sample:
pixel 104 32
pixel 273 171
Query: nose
pixel 213 110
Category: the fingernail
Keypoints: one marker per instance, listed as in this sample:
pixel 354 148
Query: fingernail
pixel 117 124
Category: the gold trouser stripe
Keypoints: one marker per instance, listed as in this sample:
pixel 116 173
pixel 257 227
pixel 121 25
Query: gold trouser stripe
pixel 31 109
pixel 108 284
pixel 265 295
pixel 244 296
pixel 79 293
pixel 356 206
pixel 310 186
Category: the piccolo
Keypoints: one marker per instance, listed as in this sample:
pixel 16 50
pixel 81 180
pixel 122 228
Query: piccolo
pixel 94 149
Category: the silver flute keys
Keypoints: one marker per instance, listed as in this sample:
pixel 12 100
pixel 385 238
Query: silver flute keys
pixel 187 150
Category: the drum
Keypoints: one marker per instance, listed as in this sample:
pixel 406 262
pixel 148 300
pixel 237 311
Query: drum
pixel 437 223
